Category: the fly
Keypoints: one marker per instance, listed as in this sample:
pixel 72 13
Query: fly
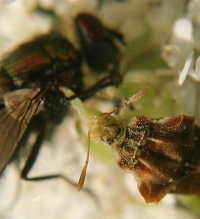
pixel 31 82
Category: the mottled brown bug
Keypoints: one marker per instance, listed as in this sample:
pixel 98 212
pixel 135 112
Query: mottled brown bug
pixel 162 154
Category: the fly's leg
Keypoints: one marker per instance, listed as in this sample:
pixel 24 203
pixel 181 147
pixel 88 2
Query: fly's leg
pixel 39 124
pixel 32 159
pixel 39 121
pixel 107 81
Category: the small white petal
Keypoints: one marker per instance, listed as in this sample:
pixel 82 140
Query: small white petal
pixel 185 70
pixel 197 69
pixel 183 29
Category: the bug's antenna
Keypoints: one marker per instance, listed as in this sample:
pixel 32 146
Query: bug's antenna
pixel 84 170
pixel 132 99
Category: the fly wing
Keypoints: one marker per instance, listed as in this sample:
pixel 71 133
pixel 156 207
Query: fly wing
pixel 20 107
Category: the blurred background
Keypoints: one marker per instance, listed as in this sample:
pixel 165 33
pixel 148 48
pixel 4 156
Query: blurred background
pixel 161 52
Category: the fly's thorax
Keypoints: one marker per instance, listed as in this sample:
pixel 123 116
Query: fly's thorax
pixel 52 59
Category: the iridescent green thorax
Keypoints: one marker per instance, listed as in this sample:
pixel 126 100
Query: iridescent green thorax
pixel 50 58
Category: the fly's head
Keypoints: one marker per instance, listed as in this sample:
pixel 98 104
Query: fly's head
pixel 100 45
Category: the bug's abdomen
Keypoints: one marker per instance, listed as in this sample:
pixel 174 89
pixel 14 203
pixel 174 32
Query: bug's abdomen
pixel 159 152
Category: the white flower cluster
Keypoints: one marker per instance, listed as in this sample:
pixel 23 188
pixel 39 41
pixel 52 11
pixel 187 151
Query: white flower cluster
pixel 180 52
pixel 175 24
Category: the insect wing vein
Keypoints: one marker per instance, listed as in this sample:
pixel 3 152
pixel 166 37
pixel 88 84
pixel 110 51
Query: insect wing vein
pixel 21 106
